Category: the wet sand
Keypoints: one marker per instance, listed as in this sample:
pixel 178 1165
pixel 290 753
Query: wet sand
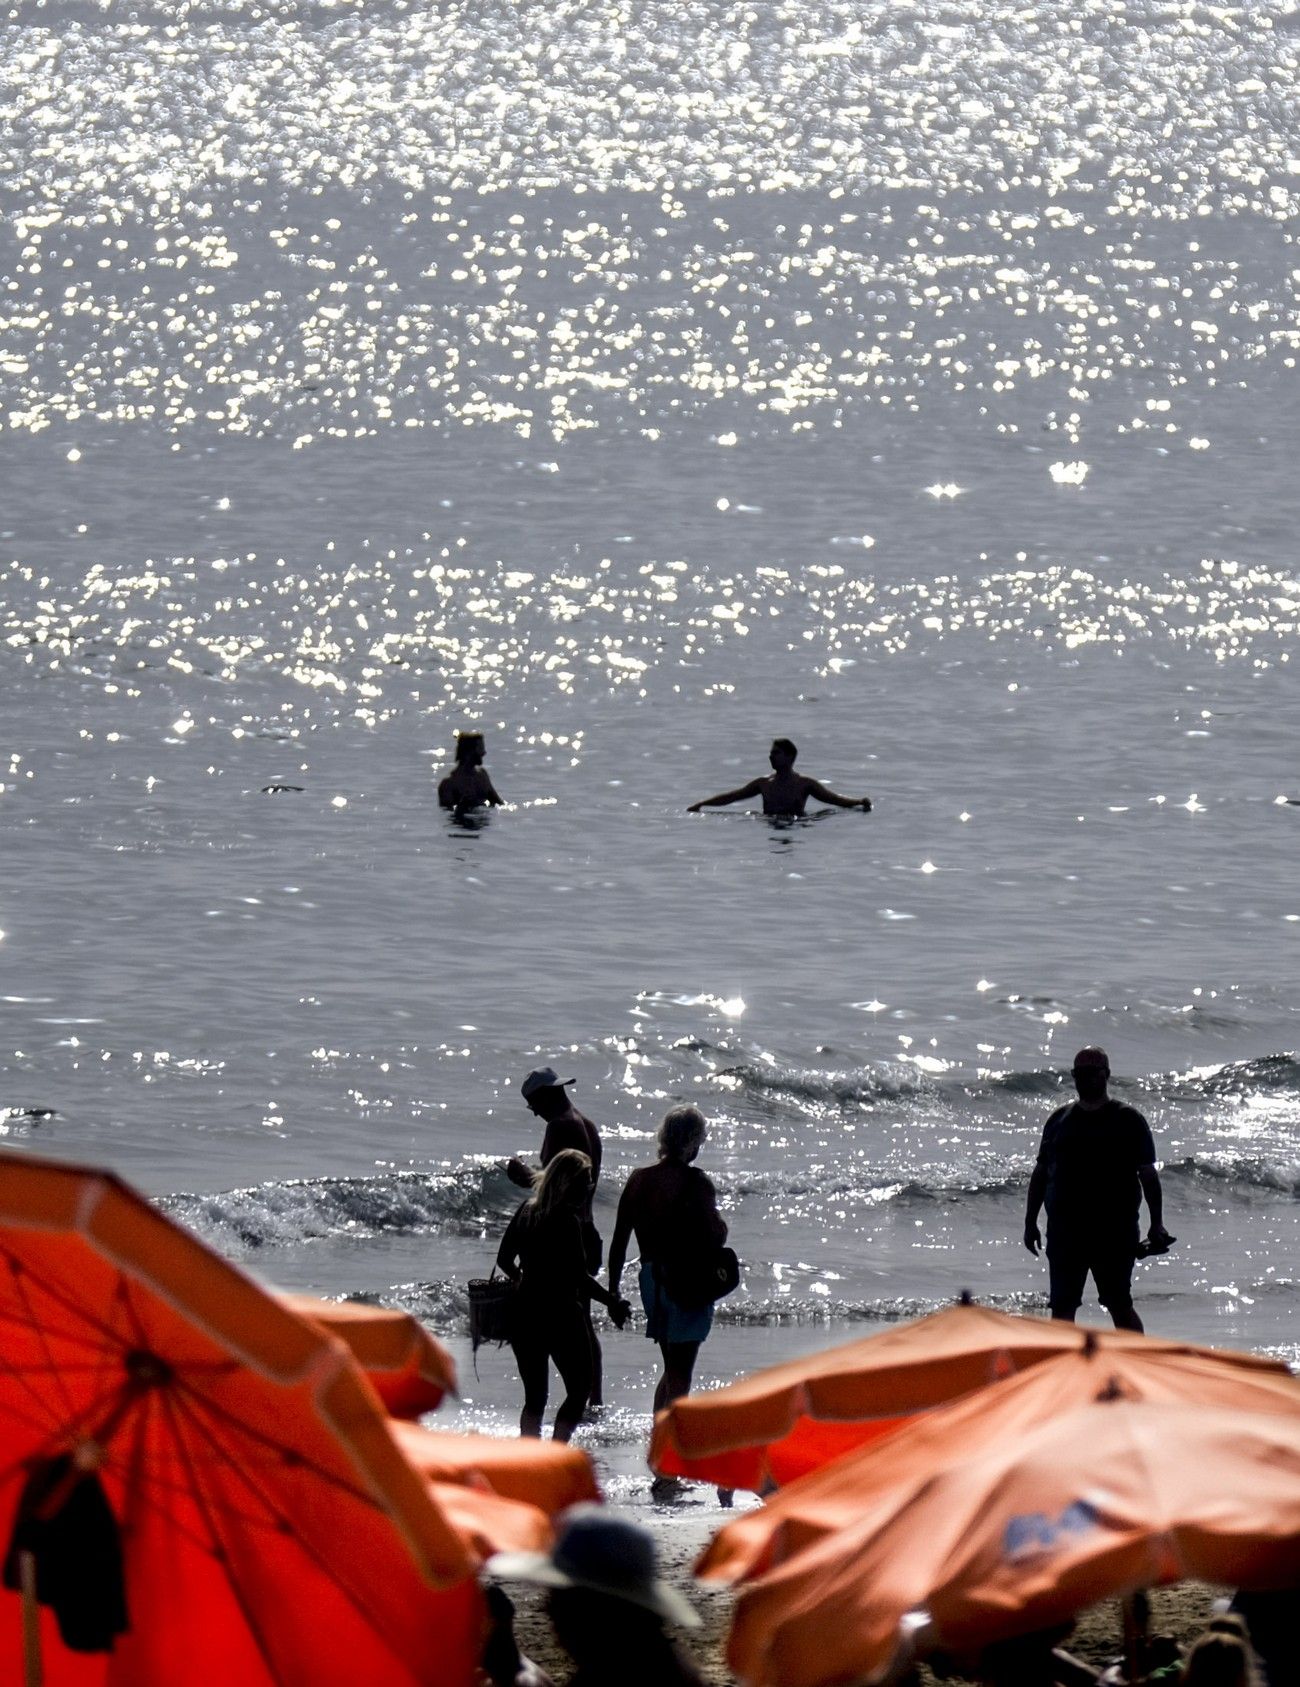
pixel 681 1532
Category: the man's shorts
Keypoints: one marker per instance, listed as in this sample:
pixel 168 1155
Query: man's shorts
pixel 1109 1259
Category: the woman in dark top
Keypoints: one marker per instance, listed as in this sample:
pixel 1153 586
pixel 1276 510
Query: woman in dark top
pixel 544 1253
pixel 673 1209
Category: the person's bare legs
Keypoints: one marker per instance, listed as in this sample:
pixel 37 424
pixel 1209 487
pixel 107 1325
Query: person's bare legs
pixel 679 1367
pixel 597 1365
pixel 534 1369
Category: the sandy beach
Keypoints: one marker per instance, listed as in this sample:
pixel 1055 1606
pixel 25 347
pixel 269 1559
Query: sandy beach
pixel 681 1533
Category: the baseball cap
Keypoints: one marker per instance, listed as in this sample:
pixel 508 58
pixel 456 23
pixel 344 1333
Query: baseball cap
pixel 544 1078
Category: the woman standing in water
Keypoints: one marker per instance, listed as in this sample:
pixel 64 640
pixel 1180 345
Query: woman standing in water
pixel 673 1209
pixel 468 785
pixel 543 1252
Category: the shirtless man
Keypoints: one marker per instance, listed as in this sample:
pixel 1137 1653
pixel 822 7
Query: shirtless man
pixel 468 785
pixel 547 1097
pixel 783 790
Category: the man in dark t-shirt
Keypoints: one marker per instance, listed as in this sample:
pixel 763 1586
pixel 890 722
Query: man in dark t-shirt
pixel 1095 1163
pixel 547 1096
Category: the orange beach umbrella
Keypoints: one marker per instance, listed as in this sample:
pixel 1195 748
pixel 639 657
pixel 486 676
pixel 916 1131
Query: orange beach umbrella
pixel 780 1423
pixel 410 1370
pixel 249 1502
pixel 547 1474
pixel 1114 1496
pixel 488 1524
pixel 872 1480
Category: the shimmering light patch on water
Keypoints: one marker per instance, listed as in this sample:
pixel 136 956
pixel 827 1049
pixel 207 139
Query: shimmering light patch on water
pixel 462 636
pixel 914 207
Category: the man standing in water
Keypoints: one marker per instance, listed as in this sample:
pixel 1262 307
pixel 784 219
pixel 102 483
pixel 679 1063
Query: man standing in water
pixel 784 792
pixel 1095 1163
pixel 468 785
pixel 548 1097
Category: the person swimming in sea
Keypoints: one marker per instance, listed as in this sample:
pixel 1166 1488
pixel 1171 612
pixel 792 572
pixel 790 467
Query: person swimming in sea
pixel 784 792
pixel 468 785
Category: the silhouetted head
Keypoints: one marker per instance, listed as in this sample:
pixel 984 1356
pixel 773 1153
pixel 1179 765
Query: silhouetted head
pixel 681 1134
pixel 547 1094
pixel 564 1186
pixel 1219 1660
pixel 469 749
pixel 1091 1073
pixel 607 1596
pixel 782 755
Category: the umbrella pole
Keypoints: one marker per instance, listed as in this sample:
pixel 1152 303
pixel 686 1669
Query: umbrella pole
pixel 33 1675
pixel 1134 1633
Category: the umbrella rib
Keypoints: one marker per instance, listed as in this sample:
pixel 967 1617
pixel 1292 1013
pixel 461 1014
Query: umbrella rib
pixel 76 1337
pixel 168 1488
pixel 303 1463
pixel 44 1405
pixel 122 1297
pixel 136 1478
pixel 330 1571
pixel 218 1547
pixel 63 1434
pixel 54 1369
pixel 62 1297
pixel 20 1288
pixel 12 1412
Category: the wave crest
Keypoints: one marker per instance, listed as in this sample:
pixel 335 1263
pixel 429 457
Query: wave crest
pixel 284 1214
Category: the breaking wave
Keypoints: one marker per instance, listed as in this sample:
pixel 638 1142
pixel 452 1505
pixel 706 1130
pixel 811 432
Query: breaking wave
pixel 284 1214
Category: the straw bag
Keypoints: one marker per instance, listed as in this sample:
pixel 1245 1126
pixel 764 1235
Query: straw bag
pixel 491 1310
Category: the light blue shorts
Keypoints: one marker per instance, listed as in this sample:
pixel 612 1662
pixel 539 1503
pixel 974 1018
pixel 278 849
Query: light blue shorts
pixel 665 1320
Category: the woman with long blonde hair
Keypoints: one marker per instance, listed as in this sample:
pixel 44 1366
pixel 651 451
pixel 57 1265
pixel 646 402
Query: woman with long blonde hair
pixel 544 1254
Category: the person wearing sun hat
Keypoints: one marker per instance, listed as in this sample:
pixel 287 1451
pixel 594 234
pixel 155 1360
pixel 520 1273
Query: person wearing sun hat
pixel 607 1603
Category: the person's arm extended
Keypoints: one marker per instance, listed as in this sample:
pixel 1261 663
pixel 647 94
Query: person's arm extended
pixel 520 1172
pixel 1149 1178
pixel 621 1237
pixel 508 1252
pixel 753 789
pixel 824 794
pixel 1033 1206
pixel 609 1298
pixel 491 794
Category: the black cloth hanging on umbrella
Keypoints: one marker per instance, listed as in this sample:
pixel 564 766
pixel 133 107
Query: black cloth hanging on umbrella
pixel 65 1521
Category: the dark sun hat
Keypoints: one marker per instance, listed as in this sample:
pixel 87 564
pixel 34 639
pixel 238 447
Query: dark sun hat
pixel 601 1553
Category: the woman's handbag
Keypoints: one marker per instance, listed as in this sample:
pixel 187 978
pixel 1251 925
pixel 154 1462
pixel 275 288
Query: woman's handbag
pixel 491 1310
pixel 703 1278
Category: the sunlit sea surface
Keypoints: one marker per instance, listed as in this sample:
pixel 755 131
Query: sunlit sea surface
pixel 640 382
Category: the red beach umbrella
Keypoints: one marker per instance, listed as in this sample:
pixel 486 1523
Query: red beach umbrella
pixel 204 1483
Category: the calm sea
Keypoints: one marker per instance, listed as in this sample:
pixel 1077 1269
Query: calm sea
pixel 639 383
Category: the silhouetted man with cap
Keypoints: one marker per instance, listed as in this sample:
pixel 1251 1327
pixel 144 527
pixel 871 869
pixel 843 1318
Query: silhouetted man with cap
pixel 547 1096
pixel 1095 1163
